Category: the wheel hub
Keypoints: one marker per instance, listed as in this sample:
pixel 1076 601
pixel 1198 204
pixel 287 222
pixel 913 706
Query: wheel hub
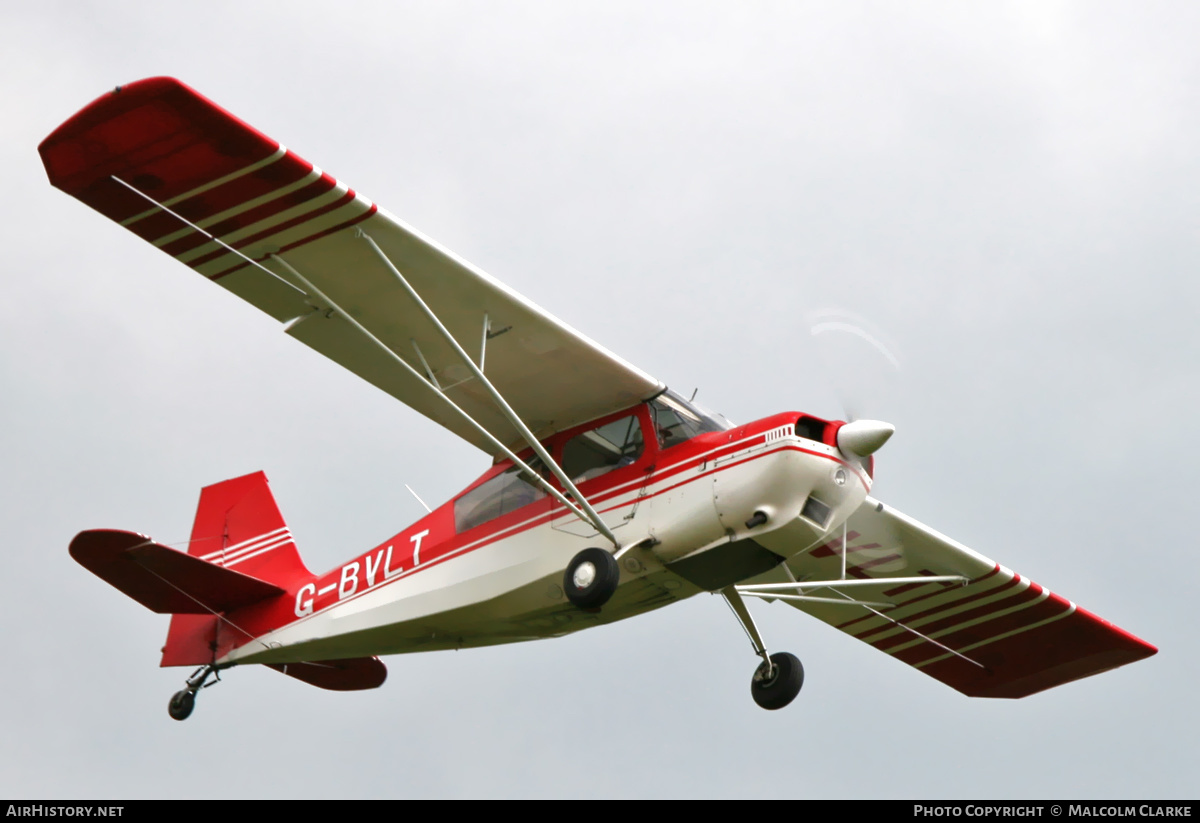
pixel 766 673
pixel 585 575
pixel 591 578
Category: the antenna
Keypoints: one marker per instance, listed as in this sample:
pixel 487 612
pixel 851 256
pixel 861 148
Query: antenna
pixel 419 500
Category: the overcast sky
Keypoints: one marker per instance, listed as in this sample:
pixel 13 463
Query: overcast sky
pixel 1007 191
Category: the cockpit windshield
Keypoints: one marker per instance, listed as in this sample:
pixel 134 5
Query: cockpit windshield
pixel 677 420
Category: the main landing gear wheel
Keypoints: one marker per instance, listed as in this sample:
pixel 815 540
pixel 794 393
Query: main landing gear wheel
pixel 591 578
pixel 181 705
pixel 775 686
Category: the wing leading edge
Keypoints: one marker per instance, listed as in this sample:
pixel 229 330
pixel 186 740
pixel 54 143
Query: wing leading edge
pixel 999 635
pixel 185 175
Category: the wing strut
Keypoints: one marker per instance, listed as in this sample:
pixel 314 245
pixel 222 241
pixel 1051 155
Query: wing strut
pixel 194 227
pixel 774 591
pixel 771 591
pixel 583 510
pixel 506 409
pixel 766 588
pixel 313 291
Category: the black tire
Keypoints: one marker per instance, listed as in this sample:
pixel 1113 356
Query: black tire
pixel 181 705
pixel 591 578
pixel 777 691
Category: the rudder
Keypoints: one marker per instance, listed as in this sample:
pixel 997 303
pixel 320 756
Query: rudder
pixel 238 526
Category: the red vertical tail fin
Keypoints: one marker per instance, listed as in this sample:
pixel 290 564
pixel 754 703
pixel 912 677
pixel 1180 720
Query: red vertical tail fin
pixel 238 526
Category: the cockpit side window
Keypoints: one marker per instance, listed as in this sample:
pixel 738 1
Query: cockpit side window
pixel 677 421
pixel 504 493
pixel 604 448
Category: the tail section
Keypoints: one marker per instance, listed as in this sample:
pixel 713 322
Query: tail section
pixel 241 555
pixel 238 527
pixel 164 580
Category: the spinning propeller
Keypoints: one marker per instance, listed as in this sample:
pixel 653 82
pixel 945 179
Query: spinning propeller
pixel 862 370
pixel 859 365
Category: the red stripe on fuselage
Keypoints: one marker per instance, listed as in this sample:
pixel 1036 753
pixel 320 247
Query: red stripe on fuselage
pixel 279 614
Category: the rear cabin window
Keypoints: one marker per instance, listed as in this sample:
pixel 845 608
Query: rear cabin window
pixel 603 449
pixel 504 493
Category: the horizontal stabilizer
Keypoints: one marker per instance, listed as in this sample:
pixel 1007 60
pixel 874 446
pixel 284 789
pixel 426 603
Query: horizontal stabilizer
pixel 337 675
pixel 162 579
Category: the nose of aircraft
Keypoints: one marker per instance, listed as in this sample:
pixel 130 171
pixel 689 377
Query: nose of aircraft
pixel 864 437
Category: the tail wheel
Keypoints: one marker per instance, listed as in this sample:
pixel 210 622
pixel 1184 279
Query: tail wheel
pixel 181 705
pixel 591 578
pixel 774 686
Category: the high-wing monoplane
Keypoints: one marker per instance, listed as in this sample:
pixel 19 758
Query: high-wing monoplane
pixel 608 494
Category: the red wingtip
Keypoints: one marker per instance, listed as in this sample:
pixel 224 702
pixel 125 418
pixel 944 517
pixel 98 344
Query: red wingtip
pixel 67 150
pixel 157 134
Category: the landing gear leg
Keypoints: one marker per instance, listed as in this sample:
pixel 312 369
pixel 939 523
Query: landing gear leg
pixel 778 678
pixel 184 701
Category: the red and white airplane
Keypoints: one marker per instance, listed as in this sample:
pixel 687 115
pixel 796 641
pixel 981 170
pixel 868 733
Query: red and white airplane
pixel 608 494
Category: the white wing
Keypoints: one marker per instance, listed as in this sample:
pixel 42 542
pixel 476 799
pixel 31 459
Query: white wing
pixel 160 138
pixel 1000 635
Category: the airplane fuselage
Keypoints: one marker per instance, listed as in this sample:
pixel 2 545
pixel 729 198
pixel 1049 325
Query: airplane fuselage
pixel 691 505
